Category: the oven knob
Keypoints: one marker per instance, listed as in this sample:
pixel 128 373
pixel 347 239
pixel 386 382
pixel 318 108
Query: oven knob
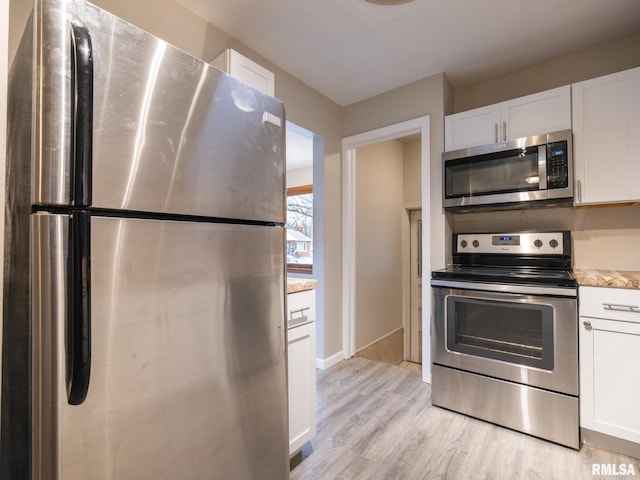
pixel 476 243
pixel 553 243
pixel 537 243
pixel 463 244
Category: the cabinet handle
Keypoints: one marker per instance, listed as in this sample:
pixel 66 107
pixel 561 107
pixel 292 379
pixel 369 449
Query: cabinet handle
pixel 303 318
pixel 504 131
pixel 579 188
pixel 496 129
pixel 587 325
pixel 621 308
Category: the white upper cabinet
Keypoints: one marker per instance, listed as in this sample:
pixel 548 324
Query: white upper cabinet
pixel 245 70
pixel 536 114
pixel 473 127
pixel 543 112
pixel 606 138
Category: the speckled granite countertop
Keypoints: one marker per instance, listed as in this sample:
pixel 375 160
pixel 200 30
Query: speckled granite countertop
pixel 300 284
pixel 608 278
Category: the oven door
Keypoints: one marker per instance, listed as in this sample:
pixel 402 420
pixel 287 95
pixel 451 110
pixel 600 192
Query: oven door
pixel 524 338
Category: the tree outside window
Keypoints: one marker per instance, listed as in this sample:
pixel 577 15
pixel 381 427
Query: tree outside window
pixel 300 229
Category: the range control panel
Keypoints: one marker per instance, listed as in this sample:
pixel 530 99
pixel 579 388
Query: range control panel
pixel 524 243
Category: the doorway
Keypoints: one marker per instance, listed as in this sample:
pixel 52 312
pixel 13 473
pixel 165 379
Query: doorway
pixel 419 126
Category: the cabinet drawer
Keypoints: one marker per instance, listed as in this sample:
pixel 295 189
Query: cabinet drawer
pixel 301 307
pixel 610 303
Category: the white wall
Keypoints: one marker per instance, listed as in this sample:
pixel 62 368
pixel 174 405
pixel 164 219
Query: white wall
pixel 300 177
pixel 378 285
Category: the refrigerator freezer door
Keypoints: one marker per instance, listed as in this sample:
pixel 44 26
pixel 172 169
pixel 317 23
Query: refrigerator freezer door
pixel 171 134
pixel 188 349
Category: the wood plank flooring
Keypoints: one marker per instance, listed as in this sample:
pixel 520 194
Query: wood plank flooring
pixel 376 422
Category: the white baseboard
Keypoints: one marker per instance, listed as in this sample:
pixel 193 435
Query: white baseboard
pixel 324 363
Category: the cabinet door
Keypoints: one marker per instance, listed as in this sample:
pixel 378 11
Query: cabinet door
pixel 543 112
pixel 302 385
pixel 471 128
pixel 606 122
pixel 609 383
pixel 246 70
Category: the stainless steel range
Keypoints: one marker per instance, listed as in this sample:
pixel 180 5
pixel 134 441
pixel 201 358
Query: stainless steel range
pixel 505 333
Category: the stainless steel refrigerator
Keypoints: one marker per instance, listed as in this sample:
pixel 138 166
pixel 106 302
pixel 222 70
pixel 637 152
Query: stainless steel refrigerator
pixel 143 327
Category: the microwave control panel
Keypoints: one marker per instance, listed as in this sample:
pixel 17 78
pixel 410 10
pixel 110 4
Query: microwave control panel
pixel 557 165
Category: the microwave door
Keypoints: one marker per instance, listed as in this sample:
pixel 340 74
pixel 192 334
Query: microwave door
pixel 510 172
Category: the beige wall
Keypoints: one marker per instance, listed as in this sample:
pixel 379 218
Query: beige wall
pixel 411 173
pixel 378 281
pixel 600 60
pixel 424 97
pixel 387 177
pixel 19 11
pixel 433 96
pixel 4 58
pixel 603 237
pixel 304 107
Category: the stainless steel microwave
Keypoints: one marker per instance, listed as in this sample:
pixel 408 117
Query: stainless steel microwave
pixel 522 173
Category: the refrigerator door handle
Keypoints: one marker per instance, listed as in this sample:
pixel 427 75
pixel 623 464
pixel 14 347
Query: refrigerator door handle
pixel 79 301
pixel 81 113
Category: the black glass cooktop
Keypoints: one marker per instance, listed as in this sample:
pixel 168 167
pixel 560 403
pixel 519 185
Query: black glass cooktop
pixel 521 276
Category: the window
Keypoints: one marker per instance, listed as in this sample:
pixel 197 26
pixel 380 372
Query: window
pixel 300 229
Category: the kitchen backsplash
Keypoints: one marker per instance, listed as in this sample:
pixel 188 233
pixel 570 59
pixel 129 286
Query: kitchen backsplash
pixel 604 237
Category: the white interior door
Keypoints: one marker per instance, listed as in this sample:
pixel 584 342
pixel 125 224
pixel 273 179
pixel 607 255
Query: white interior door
pixel 415 271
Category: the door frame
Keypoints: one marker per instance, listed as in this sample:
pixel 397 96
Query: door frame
pixel 350 144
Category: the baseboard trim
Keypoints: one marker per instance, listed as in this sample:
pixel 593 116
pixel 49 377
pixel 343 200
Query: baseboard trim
pixel 325 363
pixel 607 442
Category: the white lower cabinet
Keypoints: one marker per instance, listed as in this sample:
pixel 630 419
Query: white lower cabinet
pixel 301 363
pixel 302 385
pixel 609 361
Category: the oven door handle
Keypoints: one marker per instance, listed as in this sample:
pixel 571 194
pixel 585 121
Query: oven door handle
pixel 506 288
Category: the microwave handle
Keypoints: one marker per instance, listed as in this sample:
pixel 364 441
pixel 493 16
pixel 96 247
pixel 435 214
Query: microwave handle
pixel 542 167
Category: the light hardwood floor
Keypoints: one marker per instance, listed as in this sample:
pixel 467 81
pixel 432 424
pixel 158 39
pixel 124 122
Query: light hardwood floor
pixel 376 422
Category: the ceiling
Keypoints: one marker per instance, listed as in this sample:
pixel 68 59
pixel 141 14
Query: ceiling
pixel 350 50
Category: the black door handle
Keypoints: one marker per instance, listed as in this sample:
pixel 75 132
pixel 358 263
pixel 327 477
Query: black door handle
pixel 79 308
pixel 81 113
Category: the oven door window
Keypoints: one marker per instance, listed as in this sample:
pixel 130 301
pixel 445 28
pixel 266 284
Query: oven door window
pixel 505 172
pixel 518 333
